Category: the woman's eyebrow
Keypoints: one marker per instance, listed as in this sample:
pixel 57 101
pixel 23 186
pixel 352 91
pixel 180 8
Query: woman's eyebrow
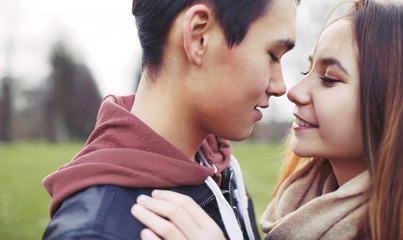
pixel 333 61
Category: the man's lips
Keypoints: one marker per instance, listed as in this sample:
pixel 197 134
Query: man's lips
pixel 261 106
pixel 258 111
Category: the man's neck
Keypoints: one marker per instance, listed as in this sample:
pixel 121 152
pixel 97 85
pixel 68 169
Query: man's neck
pixel 161 109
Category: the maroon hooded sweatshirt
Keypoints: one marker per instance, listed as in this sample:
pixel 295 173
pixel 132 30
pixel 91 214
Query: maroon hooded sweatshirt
pixel 124 151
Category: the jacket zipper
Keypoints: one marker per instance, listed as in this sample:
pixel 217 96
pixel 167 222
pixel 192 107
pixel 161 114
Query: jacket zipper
pixel 207 201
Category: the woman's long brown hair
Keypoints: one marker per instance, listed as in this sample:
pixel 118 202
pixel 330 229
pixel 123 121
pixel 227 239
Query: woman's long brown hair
pixel 378 31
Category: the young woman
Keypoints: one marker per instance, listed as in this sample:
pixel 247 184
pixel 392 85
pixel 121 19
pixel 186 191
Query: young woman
pixel 342 179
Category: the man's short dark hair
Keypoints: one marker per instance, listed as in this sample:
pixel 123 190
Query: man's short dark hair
pixel 154 19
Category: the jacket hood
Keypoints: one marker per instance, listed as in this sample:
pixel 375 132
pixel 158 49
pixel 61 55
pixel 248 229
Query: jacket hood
pixel 124 151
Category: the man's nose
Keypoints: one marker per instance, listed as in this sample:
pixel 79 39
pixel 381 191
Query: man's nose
pixel 276 85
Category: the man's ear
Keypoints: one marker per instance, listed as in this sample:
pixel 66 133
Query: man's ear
pixel 196 23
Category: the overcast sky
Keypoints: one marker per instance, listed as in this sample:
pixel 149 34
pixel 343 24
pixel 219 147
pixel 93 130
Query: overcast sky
pixel 103 34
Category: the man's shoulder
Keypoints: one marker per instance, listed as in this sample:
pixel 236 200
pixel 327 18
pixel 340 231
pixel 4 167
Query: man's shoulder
pixel 99 210
pixel 103 212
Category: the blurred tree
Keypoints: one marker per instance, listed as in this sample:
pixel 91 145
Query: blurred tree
pixel 5 110
pixel 82 108
pixel 29 120
pixel 6 82
pixel 74 98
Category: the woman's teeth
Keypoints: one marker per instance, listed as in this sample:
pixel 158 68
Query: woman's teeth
pixel 301 122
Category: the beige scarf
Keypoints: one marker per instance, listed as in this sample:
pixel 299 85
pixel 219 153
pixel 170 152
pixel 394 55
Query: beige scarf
pixel 309 205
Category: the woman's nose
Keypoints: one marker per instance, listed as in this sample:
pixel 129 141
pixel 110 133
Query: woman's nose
pixel 299 93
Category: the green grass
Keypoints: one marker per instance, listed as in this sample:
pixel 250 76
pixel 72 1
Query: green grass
pixel 24 202
pixel 260 165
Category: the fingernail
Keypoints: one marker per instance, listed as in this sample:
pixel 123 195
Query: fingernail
pixel 137 208
pixel 142 198
pixel 155 192
pixel 146 234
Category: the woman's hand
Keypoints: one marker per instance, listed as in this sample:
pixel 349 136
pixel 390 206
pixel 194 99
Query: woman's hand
pixel 186 219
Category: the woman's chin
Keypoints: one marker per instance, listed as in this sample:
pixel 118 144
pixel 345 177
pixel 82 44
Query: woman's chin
pixel 299 149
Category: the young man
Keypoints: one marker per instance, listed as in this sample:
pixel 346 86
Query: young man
pixel 208 66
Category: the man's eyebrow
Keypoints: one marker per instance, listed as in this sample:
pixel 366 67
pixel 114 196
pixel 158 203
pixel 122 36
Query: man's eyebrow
pixel 333 61
pixel 286 44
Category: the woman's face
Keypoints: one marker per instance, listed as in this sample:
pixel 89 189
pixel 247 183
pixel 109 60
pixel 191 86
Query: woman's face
pixel 327 99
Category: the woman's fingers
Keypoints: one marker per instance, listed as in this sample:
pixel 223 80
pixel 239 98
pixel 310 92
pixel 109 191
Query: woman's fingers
pixel 147 234
pixel 173 211
pixel 196 212
pixel 157 224
pixel 183 211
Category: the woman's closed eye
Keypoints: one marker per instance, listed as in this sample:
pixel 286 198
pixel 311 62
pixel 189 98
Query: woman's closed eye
pixel 329 81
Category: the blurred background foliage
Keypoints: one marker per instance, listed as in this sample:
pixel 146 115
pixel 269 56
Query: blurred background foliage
pixel 64 108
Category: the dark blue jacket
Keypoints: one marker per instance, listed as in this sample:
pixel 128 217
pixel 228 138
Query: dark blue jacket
pixel 103 212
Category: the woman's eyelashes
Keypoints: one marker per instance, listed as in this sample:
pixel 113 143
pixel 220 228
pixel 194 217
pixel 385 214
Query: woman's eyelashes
pixel 325 80
pixel 329 81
